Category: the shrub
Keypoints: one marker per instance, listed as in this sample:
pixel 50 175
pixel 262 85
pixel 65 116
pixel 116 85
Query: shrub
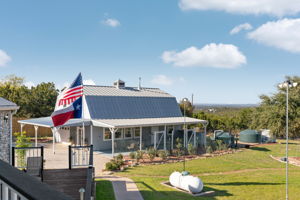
pixel 139 155
pixel 163 154
pixel 119 157
pixel 151 153
pixel 132 155
pixel 112 165
pixel 191 149
pixel 209 149
pixel 221 145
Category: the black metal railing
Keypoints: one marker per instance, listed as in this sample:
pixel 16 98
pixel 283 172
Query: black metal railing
pixel 80 156
pixel 15 184
pixel 29 157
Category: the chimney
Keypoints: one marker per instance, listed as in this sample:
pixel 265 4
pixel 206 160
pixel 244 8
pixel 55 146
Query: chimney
pixel 119 84
pixel 140 82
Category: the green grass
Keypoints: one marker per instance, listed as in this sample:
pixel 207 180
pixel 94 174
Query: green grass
pixel 104 190
pixel 250 174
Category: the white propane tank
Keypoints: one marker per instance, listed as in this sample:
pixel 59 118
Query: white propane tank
pixel 189 183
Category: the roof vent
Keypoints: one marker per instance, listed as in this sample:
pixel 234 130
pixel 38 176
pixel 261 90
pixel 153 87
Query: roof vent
pixel 119 84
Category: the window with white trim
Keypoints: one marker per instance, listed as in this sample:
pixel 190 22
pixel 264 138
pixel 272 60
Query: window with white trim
pixel 127 133
pixel 137 132
pixel 119 134
pixel 106 134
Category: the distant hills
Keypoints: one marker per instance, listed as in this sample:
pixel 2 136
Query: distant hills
pixel 206 106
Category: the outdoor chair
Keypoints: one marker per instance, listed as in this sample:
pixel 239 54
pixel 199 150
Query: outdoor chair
pixel 34 166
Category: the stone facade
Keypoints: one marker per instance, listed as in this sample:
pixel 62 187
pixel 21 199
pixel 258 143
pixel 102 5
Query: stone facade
pixel 5 127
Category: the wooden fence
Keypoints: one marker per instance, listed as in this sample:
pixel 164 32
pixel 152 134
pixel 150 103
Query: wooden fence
pixel 29 129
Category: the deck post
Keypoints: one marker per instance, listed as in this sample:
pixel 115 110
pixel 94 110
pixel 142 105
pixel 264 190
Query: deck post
pixel 141 135
pixel 165 138
pixel 36 132
pixel 91 135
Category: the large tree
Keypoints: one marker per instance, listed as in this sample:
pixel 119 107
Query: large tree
pixel 271 113
pixel 36 101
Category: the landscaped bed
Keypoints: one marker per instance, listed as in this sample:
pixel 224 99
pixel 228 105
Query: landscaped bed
pixel 250 174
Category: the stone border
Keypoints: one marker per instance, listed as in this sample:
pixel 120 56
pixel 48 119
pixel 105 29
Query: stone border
pixel 206 193
pixel 291 161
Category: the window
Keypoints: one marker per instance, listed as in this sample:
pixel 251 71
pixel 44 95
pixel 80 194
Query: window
pixel 137 132
pixel 106 134
pixel 119 134
pixel 128 133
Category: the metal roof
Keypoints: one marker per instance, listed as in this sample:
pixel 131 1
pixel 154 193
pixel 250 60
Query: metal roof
pixel 7 105
pixel 116 123
pixel 93 90
pixel 122 123
pixel 47 122
pixel 124 107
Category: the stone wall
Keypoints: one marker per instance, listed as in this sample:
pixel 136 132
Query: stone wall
pixel 5 135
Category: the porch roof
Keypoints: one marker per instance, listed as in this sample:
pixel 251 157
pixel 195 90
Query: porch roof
pixel 115 123
pixel 47 122
pixel 122 123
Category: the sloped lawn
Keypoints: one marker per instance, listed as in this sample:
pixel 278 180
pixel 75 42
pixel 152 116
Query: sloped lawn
pixel 250 174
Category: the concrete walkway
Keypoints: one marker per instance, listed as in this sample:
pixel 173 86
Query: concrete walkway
pixel 124 188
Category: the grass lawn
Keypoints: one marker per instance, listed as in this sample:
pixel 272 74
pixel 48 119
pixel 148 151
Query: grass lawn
pixel 250 174
pixel 104 190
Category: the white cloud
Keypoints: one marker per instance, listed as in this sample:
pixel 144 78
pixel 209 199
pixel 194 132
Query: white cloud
pixel 270 7
pixel 29 84
pixel 4 58
pixel 211 55
pixel 89 82
pixel 162 80
pixel 111 22
pixel 282 34
pixel 238 28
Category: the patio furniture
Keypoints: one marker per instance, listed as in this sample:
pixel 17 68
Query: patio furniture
pixel 34 166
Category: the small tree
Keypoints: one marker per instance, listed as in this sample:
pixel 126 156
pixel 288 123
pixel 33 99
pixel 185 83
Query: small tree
pixel 21 141
pixel 179 147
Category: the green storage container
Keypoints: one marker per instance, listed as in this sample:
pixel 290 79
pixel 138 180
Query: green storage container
pixel 225 137
pixel 250 136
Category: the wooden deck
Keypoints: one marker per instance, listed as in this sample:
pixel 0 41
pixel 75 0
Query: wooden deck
pixel 66 181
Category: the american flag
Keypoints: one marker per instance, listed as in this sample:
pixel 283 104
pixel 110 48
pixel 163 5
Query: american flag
pixel 69 95
pixel 69 103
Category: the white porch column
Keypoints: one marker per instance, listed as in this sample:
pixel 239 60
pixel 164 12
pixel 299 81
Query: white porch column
pixel 165 138
pixel 36 132
pixel 205 125
pixel 91 135
pixel 184 137
pixel 113 131
pixel 53 142
pixel 141 137
pixel 154 140
pixel 83 136
pixel 22 125
pixel 77 136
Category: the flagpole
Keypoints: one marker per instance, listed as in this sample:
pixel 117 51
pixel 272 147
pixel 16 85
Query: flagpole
pixel 83 128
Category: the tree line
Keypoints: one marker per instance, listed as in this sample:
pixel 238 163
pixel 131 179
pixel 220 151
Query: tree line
pixel 269 114
pixel 37 101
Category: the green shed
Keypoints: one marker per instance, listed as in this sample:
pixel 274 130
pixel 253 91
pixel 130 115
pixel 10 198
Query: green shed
pixel 225 137
pixel 250 136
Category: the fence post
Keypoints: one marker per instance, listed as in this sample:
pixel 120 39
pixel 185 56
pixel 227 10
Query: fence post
pixel 13 156
pixel 91 155
pixel 42 155
pixel 70 157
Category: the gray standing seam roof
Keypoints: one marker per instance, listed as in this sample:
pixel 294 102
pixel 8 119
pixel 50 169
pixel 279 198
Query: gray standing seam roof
pixel 93 90
pixel 132 107
pixel 7 104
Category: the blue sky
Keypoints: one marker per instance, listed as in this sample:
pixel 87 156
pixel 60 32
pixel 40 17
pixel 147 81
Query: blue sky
pixel 182 47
